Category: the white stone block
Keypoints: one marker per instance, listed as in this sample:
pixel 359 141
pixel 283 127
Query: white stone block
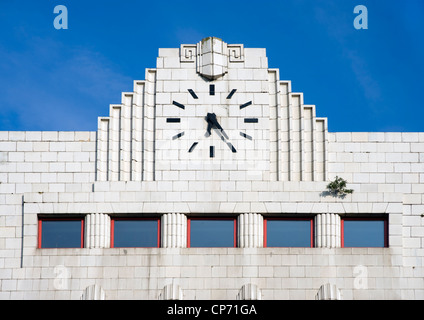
pixel 417 147
pixel 57 146
pixel 410 137
pixel 343 136
pixel 49 135
pixel 17 135
pixel 66 136
pixel 171 62
pixel 373 136
pixel 255 52
pixel 352 147
pixel 7 146
pixel 24 146
pixel 4 135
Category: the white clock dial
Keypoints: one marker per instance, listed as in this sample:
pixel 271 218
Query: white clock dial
pixel 213 120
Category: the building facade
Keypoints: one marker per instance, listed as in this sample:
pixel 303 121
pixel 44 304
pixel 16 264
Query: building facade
pixel 209 181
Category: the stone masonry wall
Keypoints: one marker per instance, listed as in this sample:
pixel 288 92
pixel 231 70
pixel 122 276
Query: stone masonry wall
pixel 55 172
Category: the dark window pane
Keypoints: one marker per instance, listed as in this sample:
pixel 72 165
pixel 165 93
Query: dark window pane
pixel 212 233
pixel 363 233
pixel 135 233
pixel 288 233
pixel 61 234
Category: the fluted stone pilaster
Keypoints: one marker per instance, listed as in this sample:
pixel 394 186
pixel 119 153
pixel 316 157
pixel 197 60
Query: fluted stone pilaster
pixel 93 292
pixel 328 291
pixel 250 230
pixel 171 292
pixel 327 230
pixel 174 230
pixel 97 230
pixel 249 292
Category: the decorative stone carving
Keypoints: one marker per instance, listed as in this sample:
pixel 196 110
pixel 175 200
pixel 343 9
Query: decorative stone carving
pixel 235 52
pixel 212 58
pixel 188 53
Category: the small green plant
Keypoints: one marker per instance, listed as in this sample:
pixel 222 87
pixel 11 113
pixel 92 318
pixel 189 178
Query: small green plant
pixel 338 187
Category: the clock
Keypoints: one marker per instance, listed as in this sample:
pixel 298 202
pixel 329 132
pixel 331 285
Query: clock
pixel 213 119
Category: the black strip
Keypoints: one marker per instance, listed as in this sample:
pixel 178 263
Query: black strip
pixel 250 120
pixel 179 105
pixel 246 104
pixel 245 136
pixel 211 151
pixel 212 89
pixel 193 146
pixel 230 95
pixel 178 136
pixel 173 120
pixel 193 94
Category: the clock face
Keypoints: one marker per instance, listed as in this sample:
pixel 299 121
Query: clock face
pixel 211 123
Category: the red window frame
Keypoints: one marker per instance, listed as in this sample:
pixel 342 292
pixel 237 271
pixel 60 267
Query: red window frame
pixel 290 219
pixel 40 230
pixel 210 218
pixel 112 230
pixel 386 229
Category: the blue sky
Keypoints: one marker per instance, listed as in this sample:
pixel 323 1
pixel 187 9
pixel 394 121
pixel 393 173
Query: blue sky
pixel 362 80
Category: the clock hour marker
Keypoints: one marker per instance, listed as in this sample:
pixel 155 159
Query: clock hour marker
pixel 211 151
pixel 193 94
pixel 250 120
pixel 179 105
pixel 173 120
pixel 230 95
pixel 244 135
pixel 212 89
pixel 193 146
pixel 246 105
pixel 177 136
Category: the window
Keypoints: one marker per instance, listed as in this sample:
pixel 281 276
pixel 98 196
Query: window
pixel 61 233
pixel 128 233
pixel 288 232
pixel 211 232
pixel 362 232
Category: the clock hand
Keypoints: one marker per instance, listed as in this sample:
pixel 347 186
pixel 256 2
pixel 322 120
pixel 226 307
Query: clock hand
pixel 226 142
pixel 210 124
pixel 213 123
